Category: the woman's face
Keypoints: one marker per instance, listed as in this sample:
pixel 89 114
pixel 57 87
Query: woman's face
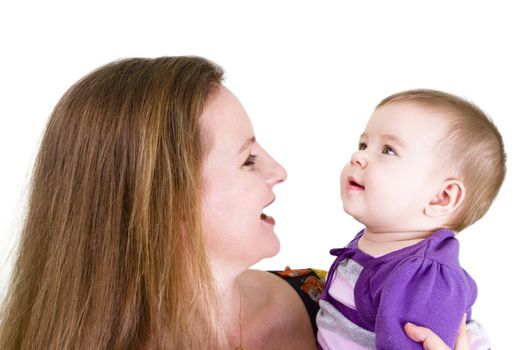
pixel 238 180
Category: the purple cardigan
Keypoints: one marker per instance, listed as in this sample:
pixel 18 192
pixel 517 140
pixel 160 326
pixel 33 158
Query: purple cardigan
pixel 422 283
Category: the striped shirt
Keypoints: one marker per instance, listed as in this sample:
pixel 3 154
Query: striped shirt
pixel 367 300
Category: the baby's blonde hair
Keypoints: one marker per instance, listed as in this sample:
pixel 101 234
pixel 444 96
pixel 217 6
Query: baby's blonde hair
pixel 474 144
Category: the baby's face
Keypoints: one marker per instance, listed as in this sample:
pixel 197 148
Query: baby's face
pixel 397 168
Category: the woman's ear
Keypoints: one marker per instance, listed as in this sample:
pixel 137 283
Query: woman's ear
pixel 447 200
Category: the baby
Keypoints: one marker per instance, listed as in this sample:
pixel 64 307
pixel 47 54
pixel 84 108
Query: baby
pixel 428 165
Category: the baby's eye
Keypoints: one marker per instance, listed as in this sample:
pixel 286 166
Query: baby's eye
pixel 389 150
pixel 250 161
pixel 362 146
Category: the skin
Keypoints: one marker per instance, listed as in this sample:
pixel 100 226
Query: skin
pixel 430 341
pixel 239 177
pixel 395 158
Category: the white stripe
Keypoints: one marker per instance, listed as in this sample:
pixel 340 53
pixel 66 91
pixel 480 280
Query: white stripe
pixel 342 291
pixel 479 336
pixel 331 341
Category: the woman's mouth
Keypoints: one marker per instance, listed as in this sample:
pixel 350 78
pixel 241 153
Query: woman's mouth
pixel 267 219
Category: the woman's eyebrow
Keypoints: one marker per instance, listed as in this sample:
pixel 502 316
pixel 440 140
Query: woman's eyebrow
pixel 248 142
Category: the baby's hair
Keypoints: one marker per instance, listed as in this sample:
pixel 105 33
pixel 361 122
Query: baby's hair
pixel 474 145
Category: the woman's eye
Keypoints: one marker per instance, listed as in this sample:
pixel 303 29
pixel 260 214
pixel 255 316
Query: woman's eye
pixel 389 150
pixel 362 146
pixel 251 160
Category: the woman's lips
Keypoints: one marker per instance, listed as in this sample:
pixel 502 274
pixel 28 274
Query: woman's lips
pixel 353 185
pixel 267 219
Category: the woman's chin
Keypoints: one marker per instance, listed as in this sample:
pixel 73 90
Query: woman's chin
pixel 276 249
pixel 269 248
pixel 273 247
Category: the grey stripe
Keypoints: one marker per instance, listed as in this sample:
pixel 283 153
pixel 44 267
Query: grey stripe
pixel 328 317
pixel 349 270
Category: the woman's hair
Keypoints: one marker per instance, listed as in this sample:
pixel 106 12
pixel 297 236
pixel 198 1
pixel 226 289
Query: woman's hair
pixel 111 253
pixel 473 147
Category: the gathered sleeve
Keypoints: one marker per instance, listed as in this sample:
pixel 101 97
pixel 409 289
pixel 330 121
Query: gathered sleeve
pixel 427 293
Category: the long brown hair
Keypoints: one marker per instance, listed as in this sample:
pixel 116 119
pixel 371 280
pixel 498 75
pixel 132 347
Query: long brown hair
pixel 111 253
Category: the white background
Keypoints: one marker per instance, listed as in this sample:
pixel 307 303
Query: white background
pixel 309 74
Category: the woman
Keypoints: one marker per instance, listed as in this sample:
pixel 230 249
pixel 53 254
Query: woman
pixel 146 211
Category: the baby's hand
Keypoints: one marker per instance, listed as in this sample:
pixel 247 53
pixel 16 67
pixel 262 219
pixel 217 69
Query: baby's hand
pixel 432 342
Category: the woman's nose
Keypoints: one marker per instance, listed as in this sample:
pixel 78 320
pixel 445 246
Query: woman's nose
pixel 359 159
pixel 277 173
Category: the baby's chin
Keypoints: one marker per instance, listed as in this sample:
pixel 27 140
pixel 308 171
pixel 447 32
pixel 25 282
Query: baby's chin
pixel 352 212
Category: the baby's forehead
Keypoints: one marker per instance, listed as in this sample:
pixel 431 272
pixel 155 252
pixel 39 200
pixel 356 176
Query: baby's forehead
pixel 423 107
pixel 402 116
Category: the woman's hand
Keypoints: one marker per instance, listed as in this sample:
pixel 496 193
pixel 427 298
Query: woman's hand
pixel 432 342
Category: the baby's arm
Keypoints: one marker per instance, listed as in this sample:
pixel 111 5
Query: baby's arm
pixel 424 292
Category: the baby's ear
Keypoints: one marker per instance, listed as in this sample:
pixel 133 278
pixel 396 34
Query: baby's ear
pixel 447 200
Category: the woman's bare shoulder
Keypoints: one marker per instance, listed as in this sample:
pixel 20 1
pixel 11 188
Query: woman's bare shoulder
pixel 262 278
pixel 279 307
pixel 270 287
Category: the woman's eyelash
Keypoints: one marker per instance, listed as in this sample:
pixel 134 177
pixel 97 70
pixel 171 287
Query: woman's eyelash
pixel 361 146
pixel 251 160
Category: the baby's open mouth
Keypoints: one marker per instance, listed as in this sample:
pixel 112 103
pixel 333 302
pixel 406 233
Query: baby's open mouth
pixel 353 183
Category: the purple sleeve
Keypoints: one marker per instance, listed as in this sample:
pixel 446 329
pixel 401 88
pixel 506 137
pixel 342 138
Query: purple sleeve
pixel 424 292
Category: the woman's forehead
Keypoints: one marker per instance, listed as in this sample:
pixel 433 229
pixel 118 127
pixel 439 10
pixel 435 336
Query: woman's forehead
pixel 225 121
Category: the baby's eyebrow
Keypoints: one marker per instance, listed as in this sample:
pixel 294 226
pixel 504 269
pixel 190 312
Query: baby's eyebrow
pixel 390 138
pixel 393 138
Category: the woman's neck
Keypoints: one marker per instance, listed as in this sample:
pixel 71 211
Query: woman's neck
pixel 378 243
pixel 230 290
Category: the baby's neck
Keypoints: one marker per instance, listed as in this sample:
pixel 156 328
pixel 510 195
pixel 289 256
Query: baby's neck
pixel 380 243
